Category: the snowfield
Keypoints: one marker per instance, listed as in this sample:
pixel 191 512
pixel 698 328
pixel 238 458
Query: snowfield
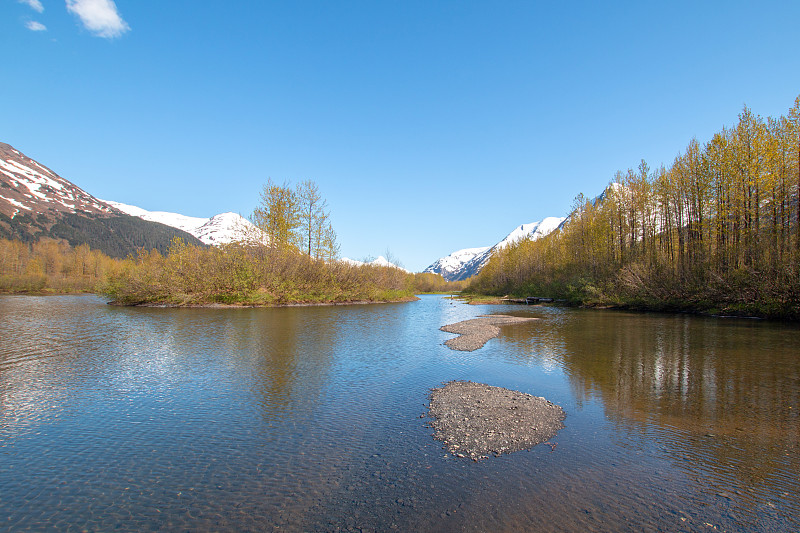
pixel 380 261
pixel 466 263
pixel 219 229
pixel 38 189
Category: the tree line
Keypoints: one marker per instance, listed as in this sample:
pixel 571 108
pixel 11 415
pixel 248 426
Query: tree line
pixel 116 236
pixel 53 266
pixel 291 257
pixel 188 274
pixel 718 230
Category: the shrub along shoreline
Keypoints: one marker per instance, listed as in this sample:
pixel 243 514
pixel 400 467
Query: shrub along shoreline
pixel 234 275
pixel 241 274
pixel 404 299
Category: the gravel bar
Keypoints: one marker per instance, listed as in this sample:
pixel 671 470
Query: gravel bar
pixel 474 333
pixel 475 420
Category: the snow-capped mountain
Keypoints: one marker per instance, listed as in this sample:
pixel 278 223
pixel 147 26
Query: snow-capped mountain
pixel 228 227
pixel 532 231
pixel 466 263
pixel 37 203
pixel 450 267
pixel 28 188
pixel 219 229
pixel 380 261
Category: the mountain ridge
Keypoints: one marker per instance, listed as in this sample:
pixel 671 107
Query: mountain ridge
pixel 27 185
pixel 465 263
pixel 379 261
pixel 222 228
pixel 37 203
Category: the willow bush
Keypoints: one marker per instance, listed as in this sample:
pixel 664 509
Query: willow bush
pixel 248 274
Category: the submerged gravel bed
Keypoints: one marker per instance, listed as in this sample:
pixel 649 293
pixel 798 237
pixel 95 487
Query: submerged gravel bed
pixel 475 420
pixel 476 332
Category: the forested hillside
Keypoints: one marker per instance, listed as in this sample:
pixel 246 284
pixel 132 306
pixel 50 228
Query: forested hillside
pixel 116 236
pixel 716 231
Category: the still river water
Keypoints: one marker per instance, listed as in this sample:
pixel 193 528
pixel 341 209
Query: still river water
pixel 308 419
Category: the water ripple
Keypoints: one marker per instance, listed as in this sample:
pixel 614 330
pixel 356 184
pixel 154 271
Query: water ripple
pixel 308 419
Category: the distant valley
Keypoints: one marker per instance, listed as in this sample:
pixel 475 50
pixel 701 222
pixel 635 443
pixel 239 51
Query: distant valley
pixel 36 202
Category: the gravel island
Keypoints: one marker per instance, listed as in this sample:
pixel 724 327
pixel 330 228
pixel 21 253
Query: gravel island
pixel 475 420
pixel 476 332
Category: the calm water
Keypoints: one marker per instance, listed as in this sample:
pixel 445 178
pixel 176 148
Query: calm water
pixel 308 419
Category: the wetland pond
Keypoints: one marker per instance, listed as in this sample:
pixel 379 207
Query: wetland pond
pixel 311 419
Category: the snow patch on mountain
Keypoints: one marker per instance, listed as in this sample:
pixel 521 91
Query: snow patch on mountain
pixel 380 261
pixel 26 184
pixel 228 227
pixel 450 266
pixel 464 264
pixel 175 220
pixel 18 204
pixel 220 229
pixel 532 231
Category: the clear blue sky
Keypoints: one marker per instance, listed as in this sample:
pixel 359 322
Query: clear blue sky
pixel 429 126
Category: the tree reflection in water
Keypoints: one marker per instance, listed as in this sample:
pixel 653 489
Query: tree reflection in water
pixel 720 396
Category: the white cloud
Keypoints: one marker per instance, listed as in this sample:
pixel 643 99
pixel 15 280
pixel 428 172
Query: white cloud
pixel 35 26
pixel 36 5
pixel 99 17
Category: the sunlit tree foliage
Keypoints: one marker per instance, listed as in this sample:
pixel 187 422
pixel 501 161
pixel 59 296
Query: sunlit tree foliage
pixel 717 230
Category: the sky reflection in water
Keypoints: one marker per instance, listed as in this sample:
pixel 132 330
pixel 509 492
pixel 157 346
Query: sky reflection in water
pixel 309 419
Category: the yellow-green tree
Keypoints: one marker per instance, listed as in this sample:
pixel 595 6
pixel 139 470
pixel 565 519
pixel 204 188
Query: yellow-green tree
pixel 278 215
pixel 719 228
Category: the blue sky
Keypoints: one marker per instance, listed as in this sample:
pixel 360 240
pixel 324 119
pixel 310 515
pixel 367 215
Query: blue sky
pixel 428 126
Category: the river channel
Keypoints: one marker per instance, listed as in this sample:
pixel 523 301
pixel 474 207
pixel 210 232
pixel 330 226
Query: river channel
pixel 311 419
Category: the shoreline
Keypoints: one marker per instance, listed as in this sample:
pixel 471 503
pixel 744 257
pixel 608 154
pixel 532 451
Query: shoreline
pixel 712 312
pixel 45 293
pixel 218 305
